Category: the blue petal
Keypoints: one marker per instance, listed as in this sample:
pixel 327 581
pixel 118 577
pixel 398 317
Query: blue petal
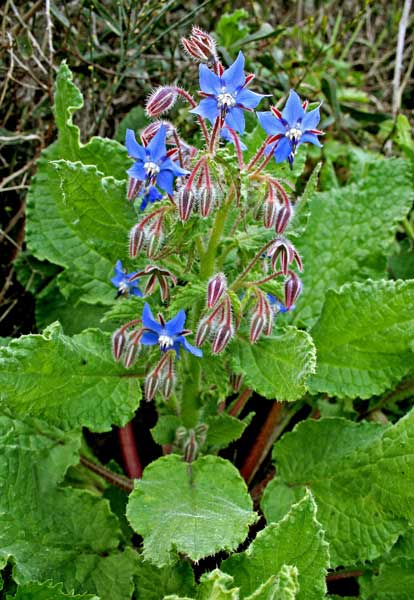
pixel 311 119
pixel 156 148
pixel 117 280
pixel 234 77
pixel 293 111
pixel 165 181
pixel 148 320
pixel 207 109
pixel 137 171
pixel 283 149
pixel 209 82
pixel 310 137
pixel 176 325
pixel 235 119
pixel 118 267
pixel 248 99
pixel 149 338
pixel 192 349
pixel 271 124
pixel 135 291
pixel 174 167
pixel 134 149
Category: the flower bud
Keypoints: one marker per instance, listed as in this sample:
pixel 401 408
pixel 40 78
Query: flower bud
pixel 118 343
pixel 136 240
pixel 270 211
pixel 200 45
pixel 134 186
pixel 216 288
pixel 206 200
pixel 161 100
pixel 131 353
pixel 185 203
pixel 155 237
pixel 284 215
pixel 201 433
pixel 152 129
pixel 284 250
pixel 190 447
pixel 152 383
pixel 293 287
pixel 257 325
pixel 221 339
pixel 203 331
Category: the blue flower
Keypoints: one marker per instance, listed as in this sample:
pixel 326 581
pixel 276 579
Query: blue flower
pixel 121 281
pixel 227 95
pixel 152 166
pixel 278 306
pixel 168 335
pixel 291 128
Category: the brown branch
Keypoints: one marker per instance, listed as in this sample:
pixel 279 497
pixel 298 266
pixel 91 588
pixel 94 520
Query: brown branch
pixel 129 450
pixel 120 481
pixel 240 403
pixel 344 575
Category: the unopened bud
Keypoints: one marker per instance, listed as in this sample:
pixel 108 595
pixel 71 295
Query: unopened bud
pixel 118 343
pixel 185 203
pixel 134 186
pixel 154 241
pixel 284 215
pixel 131 353
pixel 223 336
pixel 168 385
pixel 203 331
pixel 161 100
pixel 206 200
pixel 190 447
pixel 257 325
pixel 152 383
pixel 216 288
pixel 236 381
pixel 200 45
pixel 201 433
pixel 293 287
pixel 286 253
pixel 270 211
pixel 152 129
pixel 136 240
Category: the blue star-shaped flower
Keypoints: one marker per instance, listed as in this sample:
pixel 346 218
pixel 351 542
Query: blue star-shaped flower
pixel 278 306
pixel 226 95
pixel 291 128
pixel 152 166
pixel 121 281
pixel 168 335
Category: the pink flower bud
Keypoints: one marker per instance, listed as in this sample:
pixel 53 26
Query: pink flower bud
pixel 286 253
pixel 149 288
pixel 293 287
pixel 161 100
pixel 134 185
pixel 257 325
pixel 203 331
pixel 206 200
pixel 236 381
pixel 152 129
pixel 190 447
pixel 155 237
pixel 131 353
pixel 185 203
pixel 136 240
pixel 118 343
pixel 284 215
pixel 200 45
pixel 216 288
pixel 222 338
pixel 270 211
pixel 152 383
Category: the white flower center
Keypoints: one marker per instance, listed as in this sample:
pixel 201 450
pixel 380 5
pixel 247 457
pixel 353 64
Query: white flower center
pixel 225 100
pixel 123 287
pixel 151 168
pixel 165 342
pixel 294 133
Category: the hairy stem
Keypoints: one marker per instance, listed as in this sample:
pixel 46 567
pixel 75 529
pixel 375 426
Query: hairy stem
pixel 114 478
pixel 129 450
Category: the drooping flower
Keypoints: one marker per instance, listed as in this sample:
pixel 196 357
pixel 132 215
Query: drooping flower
pixel 169 335
pixel 278 306
pixel 122 282
pixel 227 95
pixel 152 168
pixel 291 127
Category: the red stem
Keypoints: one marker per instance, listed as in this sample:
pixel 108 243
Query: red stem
pixel 262 444
pixel 237 145
pixel 344 575
pixel 193 104
pixel 132 463
pixel 240 403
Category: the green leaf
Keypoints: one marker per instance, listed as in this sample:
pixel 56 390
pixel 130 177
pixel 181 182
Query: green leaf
pixel 196 509
pixel 224 429
pixel 46 591
pixel 283 586
pixel 153 583
pixel 71 382
pixel 351 231
pixel 363 338
pixel 297 540
pixel 277 366
pixel 230 27
pixel 64 535
pixel 362 477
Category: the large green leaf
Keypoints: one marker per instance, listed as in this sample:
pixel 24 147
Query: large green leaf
pixel 362 477
pixel 46 591
pixel 72 382
pixel 297 540
pixel 153 583
pixel 277 366
pixel 50 533
pixel 351 231
pixel 364 338
pixel 196 509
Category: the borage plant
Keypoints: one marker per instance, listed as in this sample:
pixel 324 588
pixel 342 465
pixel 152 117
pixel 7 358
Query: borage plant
pixel 213 315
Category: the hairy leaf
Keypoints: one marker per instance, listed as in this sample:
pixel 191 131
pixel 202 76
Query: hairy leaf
pixel 153 583
pixel 297 540
pixel 71 382
pixel 195 509
pixel 46 591
pixel 362 477
pixel 363 338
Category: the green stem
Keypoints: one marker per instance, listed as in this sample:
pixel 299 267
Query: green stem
pixel 408 228
pixel 209 258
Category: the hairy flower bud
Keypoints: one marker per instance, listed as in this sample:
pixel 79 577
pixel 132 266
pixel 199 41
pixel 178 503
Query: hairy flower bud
pixel 203 331
pixel 152 129
pixel 185 202
pixel 136 240
pixel 200 45
pixel 134 186
pixel 284 215
pixel 293 287
pixel 152 383
pixel 161 100
pixel 118 343
pixel 222 337
pixel 270 211
pixel 131 352
pixel 286 253
pixel 257 325
pixel 217 285
pixel 206 200
pixel 190 447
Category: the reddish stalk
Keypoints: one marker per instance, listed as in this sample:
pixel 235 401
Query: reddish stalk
pixel 265 279
pixel 218 124
pixel 240 403
pixel 344 575
pixel 113 478
pixel 132 463
pixel 236 284
pixel 263 443
pixel 237 145
pixel 257 156
pixel 193 104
